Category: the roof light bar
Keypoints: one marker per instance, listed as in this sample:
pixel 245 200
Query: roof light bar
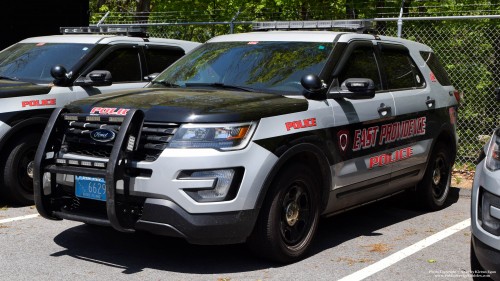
pixel 315 24
pixel 104 29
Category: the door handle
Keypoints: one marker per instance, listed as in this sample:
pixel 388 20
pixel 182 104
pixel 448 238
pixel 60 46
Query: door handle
pixel 383 109
pixel 430 102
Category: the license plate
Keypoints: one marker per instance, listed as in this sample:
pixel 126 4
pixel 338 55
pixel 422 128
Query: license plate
pixel 91 188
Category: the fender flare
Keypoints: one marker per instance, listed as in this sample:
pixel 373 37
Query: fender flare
pixel 20 126
pixel 449 128
pixel 303 147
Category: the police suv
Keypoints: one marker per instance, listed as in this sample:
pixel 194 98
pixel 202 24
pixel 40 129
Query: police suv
pixel 252 137
pixel 96 64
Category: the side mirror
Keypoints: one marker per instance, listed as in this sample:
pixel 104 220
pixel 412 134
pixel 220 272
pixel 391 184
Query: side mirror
pixel 58 72
pixel 497 94
pixel 357 88
pixel 312 83
pixel 95 78
pixel 151 76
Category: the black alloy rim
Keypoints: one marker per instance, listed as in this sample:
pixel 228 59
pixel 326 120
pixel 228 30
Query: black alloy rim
pixel 296 213
pixel 439 177
pixel 22 169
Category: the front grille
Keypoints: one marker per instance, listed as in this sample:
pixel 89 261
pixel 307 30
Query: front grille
pixel 154 139
pixel 89 206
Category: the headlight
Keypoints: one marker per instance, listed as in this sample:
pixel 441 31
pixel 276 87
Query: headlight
pixel 493 156
pixel 219 136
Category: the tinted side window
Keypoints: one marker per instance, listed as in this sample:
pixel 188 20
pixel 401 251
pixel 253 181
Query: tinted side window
pixel 123 64
pixel 361 64
pixel 159 59
pixel 401 71
pixel 436 68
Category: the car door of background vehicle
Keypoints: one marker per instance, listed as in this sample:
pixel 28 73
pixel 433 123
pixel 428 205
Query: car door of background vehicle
pixel 415 104
pixel 125 63
pixel 356 129
pixel 160 57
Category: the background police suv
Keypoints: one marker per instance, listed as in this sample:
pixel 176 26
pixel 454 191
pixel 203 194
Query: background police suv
pixel 223 147
pixel 28 95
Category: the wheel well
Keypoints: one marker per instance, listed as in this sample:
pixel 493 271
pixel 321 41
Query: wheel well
pixel 446 138
pixel 311 160
pixel 29 129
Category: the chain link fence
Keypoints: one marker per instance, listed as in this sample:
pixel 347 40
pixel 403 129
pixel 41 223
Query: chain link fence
pixel 470 51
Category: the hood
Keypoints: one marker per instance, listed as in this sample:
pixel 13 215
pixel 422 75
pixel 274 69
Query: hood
pixel 11 89
pixel 194 105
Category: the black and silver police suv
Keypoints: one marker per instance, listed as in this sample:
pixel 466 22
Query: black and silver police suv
pixel 41 73
pixel 252 137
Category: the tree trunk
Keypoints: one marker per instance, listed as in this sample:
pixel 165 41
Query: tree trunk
pixel 100 3
pixel 143 9
pixel 381 25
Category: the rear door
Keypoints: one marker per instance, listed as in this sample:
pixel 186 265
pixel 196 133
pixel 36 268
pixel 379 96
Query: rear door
pixel 364 169
pixel 125 64
pixel 415 108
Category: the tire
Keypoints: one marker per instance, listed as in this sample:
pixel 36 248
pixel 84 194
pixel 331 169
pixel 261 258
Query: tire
pixel 285 237
pixel 434 187
pixel 17 185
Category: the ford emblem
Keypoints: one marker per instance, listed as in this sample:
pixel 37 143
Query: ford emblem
pixel 102 135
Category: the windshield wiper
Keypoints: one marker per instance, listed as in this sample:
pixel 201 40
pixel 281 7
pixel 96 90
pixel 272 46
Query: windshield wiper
pixel 9 78
pixel 222 85
pixel 166 83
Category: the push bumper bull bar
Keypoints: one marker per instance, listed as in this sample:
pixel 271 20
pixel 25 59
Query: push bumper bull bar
pixel 117 170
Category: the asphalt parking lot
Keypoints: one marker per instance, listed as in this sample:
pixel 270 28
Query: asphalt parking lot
pixel 361 242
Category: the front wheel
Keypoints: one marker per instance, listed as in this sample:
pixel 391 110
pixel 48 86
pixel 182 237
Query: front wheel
pixel 17 170
pixel 289 216
pixel 435 185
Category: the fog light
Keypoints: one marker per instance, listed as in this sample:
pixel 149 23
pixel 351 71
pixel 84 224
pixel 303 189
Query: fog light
pixel 130 144
pixel 116 119
pixel 224 179
pixel 47 186
pixel 70 117
pixel 93 118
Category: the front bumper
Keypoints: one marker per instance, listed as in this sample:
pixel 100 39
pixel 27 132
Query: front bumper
pixel 489 181
pixel 157 202
pixel 488 257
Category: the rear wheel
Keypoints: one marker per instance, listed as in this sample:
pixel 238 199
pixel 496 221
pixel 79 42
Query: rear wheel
pixel 434 187
pixel 289 216
pixel 17 168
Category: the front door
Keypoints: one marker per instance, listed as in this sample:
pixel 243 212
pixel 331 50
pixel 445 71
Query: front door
pixel 363 172
pixel 124 64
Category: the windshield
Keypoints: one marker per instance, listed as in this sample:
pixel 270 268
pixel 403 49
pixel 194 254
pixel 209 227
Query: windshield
pixel 270 67
pixel 31 62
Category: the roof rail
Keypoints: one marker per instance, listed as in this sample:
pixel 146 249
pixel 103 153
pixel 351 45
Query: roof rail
pixel 361 26
pixel 130 30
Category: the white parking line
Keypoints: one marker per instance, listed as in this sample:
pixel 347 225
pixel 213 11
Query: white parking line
pixel 394 258
pixel 19 218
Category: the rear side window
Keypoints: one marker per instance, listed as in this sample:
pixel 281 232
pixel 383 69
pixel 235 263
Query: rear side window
pixel 436 68
pixel 160 59
pixel 400 69
pixel 361 64
pixel 123 64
